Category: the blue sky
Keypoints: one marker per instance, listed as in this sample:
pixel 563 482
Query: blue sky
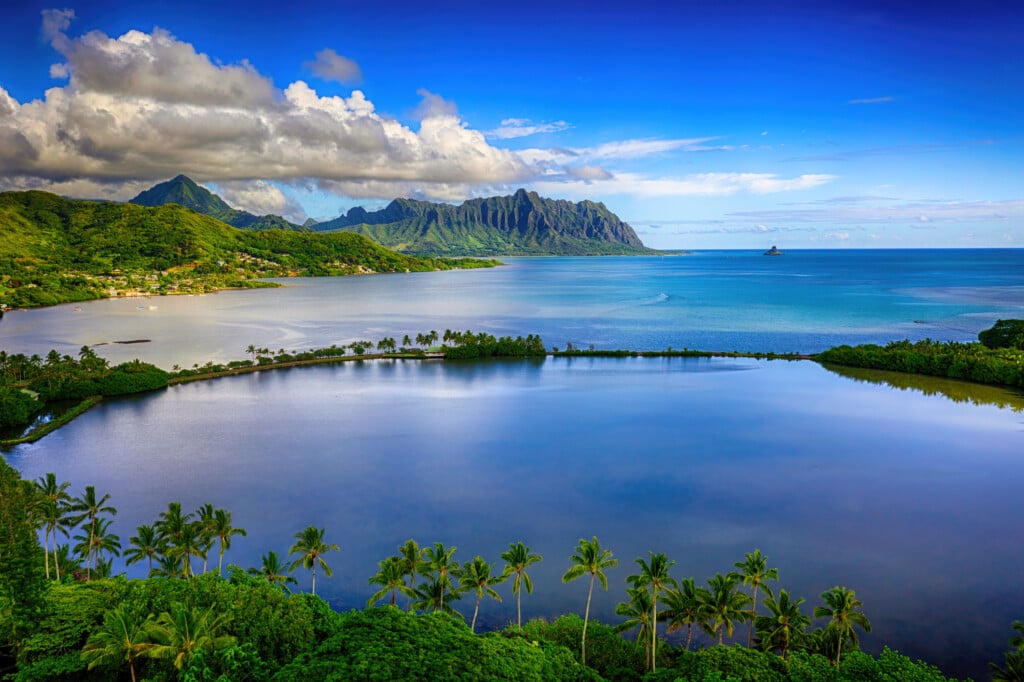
pixel 704 125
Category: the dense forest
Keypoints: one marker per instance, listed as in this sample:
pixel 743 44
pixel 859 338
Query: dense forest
pixel 55 250
pixel 65 615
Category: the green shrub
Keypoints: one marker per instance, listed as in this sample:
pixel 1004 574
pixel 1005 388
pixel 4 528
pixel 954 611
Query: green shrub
pixel 17 408
pixel 389 644
pixel 612 656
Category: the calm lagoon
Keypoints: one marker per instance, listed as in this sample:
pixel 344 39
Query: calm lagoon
pixel 912 500
pixel 906 496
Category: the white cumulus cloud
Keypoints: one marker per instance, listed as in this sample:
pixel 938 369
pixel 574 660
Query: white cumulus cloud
pixel 143 107
pixel 147 106
pixel 260 198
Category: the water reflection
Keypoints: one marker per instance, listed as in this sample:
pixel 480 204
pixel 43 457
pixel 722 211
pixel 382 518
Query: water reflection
pixel 952 389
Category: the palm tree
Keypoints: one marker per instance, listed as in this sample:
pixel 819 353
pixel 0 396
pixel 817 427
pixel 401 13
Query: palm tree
pixel 206 518
pixel 754 572
pixel 391 578
pixel 223 530
pixel 183 631
pixel 1014 671
pixel 172 525
pixel 274 571
pixel 167 567
pixel 685 606
pixel 56 499
pixel 589 559
pixel 310 546
pixel 841 609
pixel 637 612
pixel 124 637
pixel 189 543
pixel 439 560
pixel 104 568
pixel 785 626
pixel 92 545
pixel 517 558
pixel 1014 659
pixel 475 576
pixel 63 560
pixel 144 545
pixel 654 574
pixel 90 509
pixel 431 596
pixel 412 563
pixel 725 607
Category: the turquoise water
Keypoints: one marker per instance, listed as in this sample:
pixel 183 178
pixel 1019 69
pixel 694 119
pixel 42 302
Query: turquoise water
pixel 804 301
pixel 908 497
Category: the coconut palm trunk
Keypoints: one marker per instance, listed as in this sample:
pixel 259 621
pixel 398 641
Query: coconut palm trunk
pixel 586 620
pixel 46 549
pixel 476 610
pixel 750 631
pixel 654 631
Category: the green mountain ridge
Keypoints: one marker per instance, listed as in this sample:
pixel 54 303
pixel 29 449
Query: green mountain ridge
pixel 523 223
pixel 55 250
pixel 184 191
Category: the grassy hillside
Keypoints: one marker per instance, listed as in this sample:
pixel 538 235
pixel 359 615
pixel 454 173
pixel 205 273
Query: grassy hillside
pixel 55 250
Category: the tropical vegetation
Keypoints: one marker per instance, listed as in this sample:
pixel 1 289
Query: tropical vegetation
pixel 977 362
pixel 189 624
pixel 55 250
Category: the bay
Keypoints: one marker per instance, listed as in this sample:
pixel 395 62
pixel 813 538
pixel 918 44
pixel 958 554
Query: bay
pixel 906 496
pixel 805 301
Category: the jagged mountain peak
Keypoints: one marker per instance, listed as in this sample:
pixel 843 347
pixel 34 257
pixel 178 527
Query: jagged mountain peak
pixel 520 223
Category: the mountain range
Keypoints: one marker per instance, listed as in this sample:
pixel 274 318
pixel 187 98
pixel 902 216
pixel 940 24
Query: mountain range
pixel 523 223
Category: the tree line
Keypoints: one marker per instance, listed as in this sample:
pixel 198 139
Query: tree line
pixel 998 357
pixel 31 384
pixel 176 629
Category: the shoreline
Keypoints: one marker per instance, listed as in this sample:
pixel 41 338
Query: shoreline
pixel 265 363
pixel 85 405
